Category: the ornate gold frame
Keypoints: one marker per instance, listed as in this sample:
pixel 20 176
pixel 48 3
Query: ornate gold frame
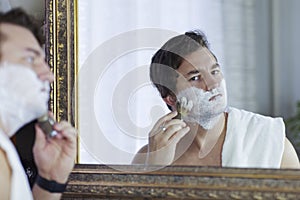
pixel 182 182
pixel 61 54
pixel 103 182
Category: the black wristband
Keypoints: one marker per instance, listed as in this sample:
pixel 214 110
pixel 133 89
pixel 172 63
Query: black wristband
pixel 50 186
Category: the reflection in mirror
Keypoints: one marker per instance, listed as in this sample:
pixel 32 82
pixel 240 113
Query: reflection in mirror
pixel 118 105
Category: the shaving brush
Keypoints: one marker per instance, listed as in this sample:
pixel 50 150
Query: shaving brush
pixel 183 106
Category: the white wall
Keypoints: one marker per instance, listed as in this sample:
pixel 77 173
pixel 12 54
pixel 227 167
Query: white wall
pixel 286 56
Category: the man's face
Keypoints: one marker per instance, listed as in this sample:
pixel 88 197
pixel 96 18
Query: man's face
pixel 19 46
pixel 201 82
pixel 199 69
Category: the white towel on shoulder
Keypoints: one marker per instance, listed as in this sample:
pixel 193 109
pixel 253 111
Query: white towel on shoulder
pixel 253 140
pixel 20 188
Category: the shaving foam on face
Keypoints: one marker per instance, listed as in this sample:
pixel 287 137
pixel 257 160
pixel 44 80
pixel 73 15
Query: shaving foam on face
pixel 24 97
pixel 208 106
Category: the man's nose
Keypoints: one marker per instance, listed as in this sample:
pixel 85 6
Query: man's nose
pixel 45 74
pixel 210 82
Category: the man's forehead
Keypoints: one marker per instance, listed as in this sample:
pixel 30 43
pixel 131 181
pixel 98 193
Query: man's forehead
pixel 19 36
pixel 201 58
pixel 16 32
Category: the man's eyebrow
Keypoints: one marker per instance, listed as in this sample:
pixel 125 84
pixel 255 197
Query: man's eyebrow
pixel 192 72
pixel 215 66
pixel 36 52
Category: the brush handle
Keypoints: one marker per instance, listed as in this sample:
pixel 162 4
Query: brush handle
pixel 178 116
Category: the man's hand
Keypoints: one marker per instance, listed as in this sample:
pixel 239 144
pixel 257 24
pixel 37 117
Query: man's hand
pixel 55 157
pixel 164 138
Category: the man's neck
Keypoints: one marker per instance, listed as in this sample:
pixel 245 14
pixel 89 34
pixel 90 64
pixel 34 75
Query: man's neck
pixel 205 140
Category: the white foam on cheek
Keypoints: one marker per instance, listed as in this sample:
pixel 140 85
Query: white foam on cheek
pixel 23 96
pixel 46 89
pixel 204 112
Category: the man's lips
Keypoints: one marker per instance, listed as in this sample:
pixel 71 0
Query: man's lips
pixel 214 97
pixel 45 87
pixel 46 90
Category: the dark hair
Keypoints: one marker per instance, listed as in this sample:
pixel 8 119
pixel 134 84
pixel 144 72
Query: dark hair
pixel 170 56
pixel 19 17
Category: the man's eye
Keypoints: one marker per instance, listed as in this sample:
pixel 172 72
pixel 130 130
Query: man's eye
pixel 29 59
pixel 215 72
pixel 195 78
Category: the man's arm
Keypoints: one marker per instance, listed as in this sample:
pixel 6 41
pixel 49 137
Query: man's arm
pixel 289 158
pixel 5 176
pixel 54 159
pixel 40 193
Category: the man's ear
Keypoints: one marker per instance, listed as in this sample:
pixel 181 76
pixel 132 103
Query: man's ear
pixel 170 100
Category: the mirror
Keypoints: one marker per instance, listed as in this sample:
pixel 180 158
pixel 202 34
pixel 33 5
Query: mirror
pixel 117 104
pixel 102 61
pixel 102 181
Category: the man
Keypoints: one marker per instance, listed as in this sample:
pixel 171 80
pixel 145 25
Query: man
pixel 24 94
pixel 208 132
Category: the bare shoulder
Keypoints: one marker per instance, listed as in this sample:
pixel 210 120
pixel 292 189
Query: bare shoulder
pixel 289 158
pixel 140 156
pixel 5 176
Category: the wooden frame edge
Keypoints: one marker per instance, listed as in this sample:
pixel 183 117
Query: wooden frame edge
pixel 181 182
